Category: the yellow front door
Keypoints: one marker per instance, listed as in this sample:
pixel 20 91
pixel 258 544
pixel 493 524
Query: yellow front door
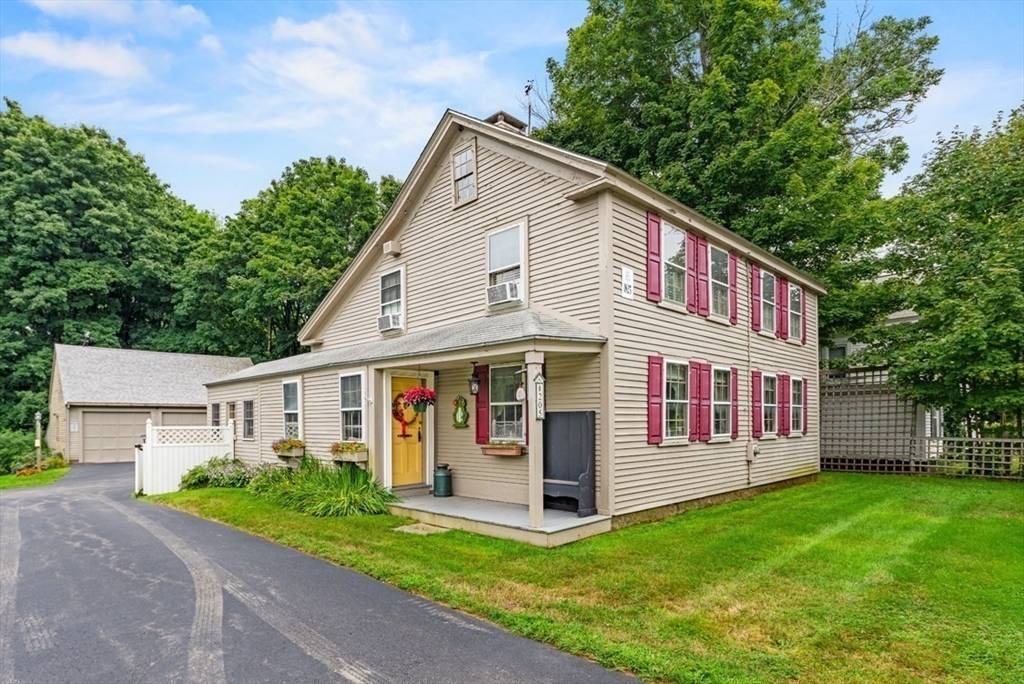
pixel 406 436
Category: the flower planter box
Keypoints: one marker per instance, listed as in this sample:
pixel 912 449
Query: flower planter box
pixel 290 453
pixel 506 450
pixel 351 456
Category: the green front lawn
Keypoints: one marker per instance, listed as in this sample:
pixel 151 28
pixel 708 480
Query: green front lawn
pixel 856 578
pixel 45 477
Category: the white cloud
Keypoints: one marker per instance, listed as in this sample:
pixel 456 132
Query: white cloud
pixel 211 43
pixel 107 59
pixel 969 95
pixel 162 17
pixel 221 161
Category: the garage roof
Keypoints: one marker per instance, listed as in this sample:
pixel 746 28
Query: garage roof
pixel 98 375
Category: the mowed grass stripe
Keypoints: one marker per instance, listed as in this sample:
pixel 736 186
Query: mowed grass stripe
pixel 853 578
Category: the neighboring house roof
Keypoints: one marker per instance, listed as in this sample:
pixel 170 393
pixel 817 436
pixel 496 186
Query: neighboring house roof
pixel 605 177
pixel 100 375
pixel 517 326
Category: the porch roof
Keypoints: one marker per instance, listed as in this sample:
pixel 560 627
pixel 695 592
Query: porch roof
pixel 516 326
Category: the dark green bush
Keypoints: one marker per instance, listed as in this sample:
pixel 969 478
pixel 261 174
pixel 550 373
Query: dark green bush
pixel 323 490
pixel 221 471
pixel 17 450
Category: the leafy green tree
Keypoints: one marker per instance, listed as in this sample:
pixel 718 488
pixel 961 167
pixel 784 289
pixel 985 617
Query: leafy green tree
pixel 960 252
pixel 89 243
pixel 249 288
pixel 740 110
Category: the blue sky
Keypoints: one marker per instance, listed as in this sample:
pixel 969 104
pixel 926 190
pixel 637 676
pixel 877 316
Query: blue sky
pixel 221 96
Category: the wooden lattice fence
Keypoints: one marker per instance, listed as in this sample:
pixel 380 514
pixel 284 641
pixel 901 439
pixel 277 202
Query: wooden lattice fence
pixel 867 428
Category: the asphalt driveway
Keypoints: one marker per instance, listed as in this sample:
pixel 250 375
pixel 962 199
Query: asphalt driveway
pixel 98 587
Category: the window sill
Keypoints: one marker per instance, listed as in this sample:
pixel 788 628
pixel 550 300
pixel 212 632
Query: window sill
pixel 248 439
pixel 458 204
pixel 766 333
pixel 719 319
pixel 505 306
pixel 720 439
pixel 392 333
pixel 795 340
pixel 771 436
pixel 673 306
pixel 674 442
pixel 796 435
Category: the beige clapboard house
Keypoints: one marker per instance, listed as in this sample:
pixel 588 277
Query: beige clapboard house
pixel 691 352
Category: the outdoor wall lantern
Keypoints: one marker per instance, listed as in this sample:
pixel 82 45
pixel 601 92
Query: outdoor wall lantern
pixel 474 381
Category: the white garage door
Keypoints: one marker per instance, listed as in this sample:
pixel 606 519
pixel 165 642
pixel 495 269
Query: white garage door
pixel 168 418
pixel 110 437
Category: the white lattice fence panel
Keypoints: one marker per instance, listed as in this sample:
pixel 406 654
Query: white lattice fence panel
pixel 188 435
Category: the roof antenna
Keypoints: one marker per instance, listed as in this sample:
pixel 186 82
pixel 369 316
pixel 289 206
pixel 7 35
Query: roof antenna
pixel 529 108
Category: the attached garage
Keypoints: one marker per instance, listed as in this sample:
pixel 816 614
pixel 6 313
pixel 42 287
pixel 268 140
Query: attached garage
pixel 100 398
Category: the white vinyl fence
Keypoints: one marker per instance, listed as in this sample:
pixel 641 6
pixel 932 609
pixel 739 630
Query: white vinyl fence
pixel 170 452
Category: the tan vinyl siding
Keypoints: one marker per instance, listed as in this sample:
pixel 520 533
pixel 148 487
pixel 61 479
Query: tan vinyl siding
pixel 474 474
pixel 444 249
pixel 57 429
pixel 646 475
pixel 321 417
pixel 74 452
pixel 245 449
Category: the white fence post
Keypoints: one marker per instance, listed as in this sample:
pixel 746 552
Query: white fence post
pixel 231 437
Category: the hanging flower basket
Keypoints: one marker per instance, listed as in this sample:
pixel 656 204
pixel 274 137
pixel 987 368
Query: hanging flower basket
pixel 420 398
pixel 506 449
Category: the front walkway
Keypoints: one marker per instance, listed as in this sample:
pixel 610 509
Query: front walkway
pixel 98 587
pixel 503 520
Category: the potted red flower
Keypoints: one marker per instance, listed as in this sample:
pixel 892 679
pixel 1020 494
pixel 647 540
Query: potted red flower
pixel 420 398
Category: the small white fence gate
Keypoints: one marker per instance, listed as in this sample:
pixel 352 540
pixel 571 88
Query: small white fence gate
pixel 170 452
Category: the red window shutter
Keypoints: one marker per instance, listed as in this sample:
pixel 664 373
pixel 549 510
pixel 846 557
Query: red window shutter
pixel 782 389
pixel 783 309
pixel 734 289
pixel 756 404
pixel 703 293
pixel 691 273
pixel 694 387
pixel 655 398
pixel 804 397
pixel 755 297
pixel 483 407
pixel 803 317
pixel 705 402
pixel 653 257
pixel 734 394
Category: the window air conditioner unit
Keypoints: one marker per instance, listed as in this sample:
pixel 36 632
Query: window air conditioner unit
pixel 389 322
pixel 503 292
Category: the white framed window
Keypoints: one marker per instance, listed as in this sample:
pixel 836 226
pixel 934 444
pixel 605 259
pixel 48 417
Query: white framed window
pixel 464 174
pixel 796 311
pixel 796 398
pixel 769 404
pixel 291 396
pixel 505 255
pixel 673 249
pixel 392 287
pixel 215 415
pixel 721 402
pixel 507 413
pixel 351 393
pixel 232 414
pixel 719 259
pixel 248 420
pixel 677 400
pixel 767 301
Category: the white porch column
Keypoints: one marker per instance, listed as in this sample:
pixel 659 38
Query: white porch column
pixel 534 369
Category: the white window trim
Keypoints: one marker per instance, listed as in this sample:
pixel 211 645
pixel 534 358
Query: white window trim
pixel 253 402
pixel 711 286
pixel 765 433
pixel 362 406
pixel 798 332
pixel 456 202
pixel 491 404
pixel 670 303
pixel 287 381
pixel 793 406
pixel 231 411
pixel 401 302
pixel 727 435
pixel 523 264
pixel 683 439
pixel 774 290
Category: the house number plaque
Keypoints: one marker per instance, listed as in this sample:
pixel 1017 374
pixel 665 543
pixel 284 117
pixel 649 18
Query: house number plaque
pixel 539 403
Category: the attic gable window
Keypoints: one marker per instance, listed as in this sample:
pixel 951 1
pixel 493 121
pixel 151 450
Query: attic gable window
pixel 464 174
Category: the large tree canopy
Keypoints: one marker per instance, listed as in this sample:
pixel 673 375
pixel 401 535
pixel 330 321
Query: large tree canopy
pixel 250 288
pixel 959 254
pixel 90 241
pixel 739 109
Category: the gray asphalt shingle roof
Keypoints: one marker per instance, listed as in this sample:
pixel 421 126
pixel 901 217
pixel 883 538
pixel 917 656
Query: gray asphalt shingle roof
pixel 99 375
pixel 517 326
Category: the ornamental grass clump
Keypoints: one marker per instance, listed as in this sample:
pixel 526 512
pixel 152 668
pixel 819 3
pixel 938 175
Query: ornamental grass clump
pixel 323 490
